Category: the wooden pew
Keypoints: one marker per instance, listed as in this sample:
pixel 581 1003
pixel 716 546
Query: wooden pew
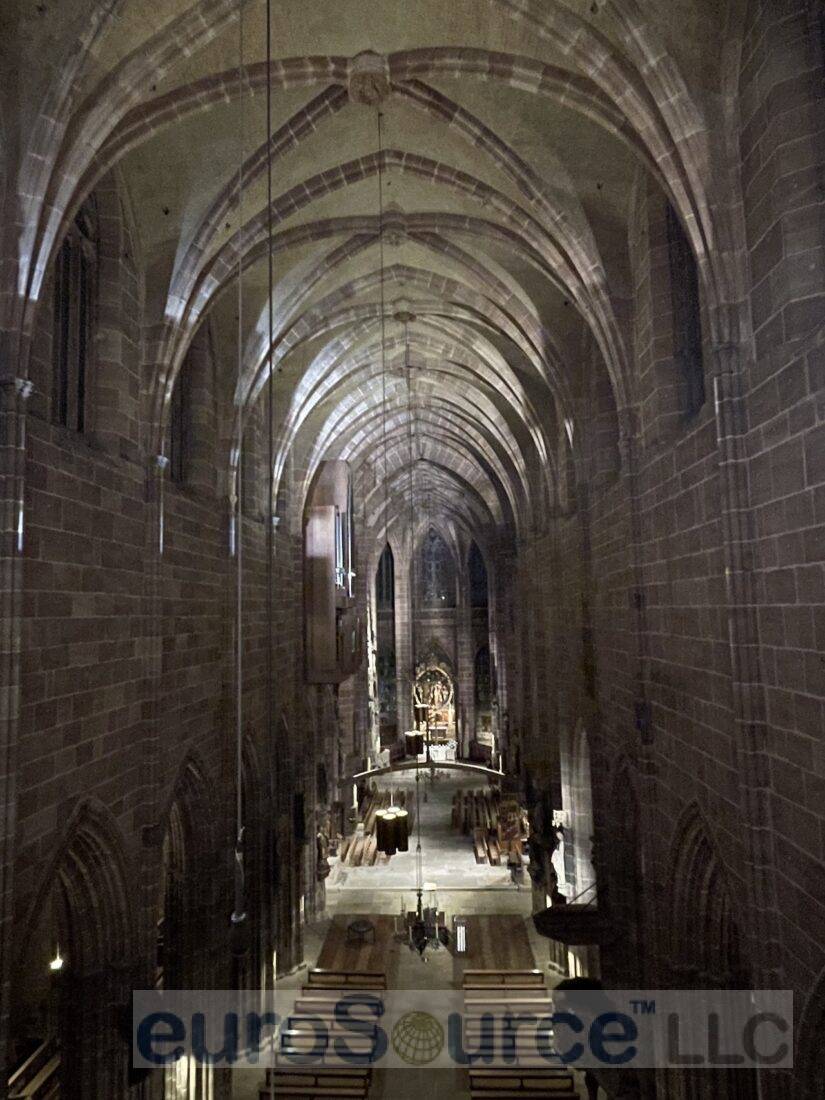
pixel 491 993
pixel 294 1082
pixel 300 1037
pixel 493 851
pixel 541 1084
pixel 479 846
pixel 511 979
pixel 345 979
pixel 512 1003
pixel 304 1041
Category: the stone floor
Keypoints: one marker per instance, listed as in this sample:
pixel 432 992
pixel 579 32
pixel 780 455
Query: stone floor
pixel 447 856
pixel 389 888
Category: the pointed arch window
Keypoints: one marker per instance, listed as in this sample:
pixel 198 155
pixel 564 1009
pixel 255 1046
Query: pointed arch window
pixel 478 578
pixel 385 581
pixel 483 679
pixel 687 313
pixel 385 657
pixel 437 578
pixel 75 303
pixel 179 424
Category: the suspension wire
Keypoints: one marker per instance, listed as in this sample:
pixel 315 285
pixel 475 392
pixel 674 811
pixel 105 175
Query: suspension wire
pixel 270 533
pixel 239 914
pixel 410 427
pixel 419 856
pixel 383 325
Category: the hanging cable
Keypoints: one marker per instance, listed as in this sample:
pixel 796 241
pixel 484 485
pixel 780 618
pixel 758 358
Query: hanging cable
pixel 383 323
pixel 411 434
pixel 239 910
pixel 419 855
pixel 385 444
pixel 270 534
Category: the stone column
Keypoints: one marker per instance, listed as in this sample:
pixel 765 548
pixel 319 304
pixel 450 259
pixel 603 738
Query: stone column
pixel 729 364
pixel 465 678
pixel 13 396
pixel 404 648
pixel 656 873
pixel 501 640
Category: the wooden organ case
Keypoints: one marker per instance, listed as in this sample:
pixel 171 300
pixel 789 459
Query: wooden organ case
pixel 333 628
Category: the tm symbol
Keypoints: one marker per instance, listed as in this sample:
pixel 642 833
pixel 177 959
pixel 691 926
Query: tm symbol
pixel 643 1008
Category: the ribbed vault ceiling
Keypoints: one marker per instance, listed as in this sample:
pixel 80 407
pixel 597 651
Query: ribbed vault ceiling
pixel 512 133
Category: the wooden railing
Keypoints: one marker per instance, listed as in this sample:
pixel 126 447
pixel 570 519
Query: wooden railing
pixel 38 1078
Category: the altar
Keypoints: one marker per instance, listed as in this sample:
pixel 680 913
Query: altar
pixel 433 692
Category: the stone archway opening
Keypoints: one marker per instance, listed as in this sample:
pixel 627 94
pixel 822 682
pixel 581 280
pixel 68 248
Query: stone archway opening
pixel 707 947
pixel 74 976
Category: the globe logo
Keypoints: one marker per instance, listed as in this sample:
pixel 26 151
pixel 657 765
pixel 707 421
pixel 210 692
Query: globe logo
pixel 418 1038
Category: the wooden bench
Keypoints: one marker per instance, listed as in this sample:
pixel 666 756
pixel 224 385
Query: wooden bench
pixel 556 1084
pixel 474 1014
pixel 526 1050
pixel 479 846
pixel 313 1048
pixel 476 979
pixel 307 1004
pixel 547 1092
pixel 326 1010
pixel 345 979
pixel 488 1000
pixel 284 1083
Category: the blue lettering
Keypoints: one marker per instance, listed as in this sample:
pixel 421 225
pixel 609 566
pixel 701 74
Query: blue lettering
pixel 228 1054
pixel 357 1025
pixel 460 1054
pixel 147 1040
pixel 567 1019
pixel 599 1037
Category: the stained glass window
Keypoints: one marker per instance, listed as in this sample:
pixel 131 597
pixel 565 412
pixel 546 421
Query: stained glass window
pixel 437 580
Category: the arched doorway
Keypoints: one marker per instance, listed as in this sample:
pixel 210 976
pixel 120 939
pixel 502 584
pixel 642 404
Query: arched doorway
pixel 706 949
pixel 622 869
pixel 185 893
pixel 74 977
pixel 253 970
pixel 184 933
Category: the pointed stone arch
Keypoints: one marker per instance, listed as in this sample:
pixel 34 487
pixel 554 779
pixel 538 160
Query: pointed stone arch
pixel 256 867
pixel 87 888
pixel 704 938
pixel 620 869
pixel 92 864
pixel 704 942
pixel 186 885
pixel 810 1067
